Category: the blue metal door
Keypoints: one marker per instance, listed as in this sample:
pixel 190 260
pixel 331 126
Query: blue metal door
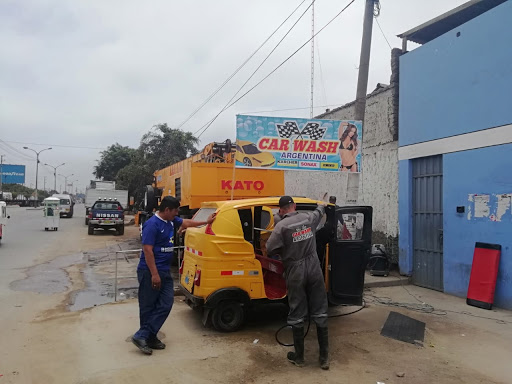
pixel 427 204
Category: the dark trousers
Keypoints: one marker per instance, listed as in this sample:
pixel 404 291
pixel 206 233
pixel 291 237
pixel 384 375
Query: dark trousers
pixel 306 292
pixel 154 306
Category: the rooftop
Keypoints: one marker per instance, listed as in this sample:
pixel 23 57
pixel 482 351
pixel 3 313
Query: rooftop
pixel 450 20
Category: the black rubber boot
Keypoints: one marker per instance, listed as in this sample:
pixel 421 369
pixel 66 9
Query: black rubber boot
pixel 297 357
pixel 323 343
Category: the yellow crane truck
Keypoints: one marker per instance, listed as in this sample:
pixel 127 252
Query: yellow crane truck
pixel 209 176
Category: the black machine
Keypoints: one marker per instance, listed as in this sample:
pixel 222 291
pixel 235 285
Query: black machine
pixel 379 262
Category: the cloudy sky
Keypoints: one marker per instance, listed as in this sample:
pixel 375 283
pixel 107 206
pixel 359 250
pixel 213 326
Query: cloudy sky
pixel 81 75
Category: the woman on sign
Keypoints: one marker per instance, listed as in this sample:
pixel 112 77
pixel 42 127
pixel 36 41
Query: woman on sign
pixel 349 147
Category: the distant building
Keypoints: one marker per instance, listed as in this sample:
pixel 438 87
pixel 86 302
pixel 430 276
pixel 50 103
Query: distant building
pixel 455 146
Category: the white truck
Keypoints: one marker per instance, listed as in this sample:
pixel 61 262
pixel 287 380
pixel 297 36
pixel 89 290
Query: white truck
pixel 101 190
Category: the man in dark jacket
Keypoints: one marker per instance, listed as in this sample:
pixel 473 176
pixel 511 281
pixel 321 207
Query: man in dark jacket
pixel 293 239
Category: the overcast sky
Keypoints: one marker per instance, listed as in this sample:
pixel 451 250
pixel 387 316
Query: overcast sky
pixel 88 73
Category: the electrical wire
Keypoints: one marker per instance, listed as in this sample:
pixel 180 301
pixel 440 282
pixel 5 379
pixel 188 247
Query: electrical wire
pixel 55 145
pixel 291 109
pixel 14 152
pixel 381 31
pixel 238 69
pixel 254 72
pixel 321 71
pixel 280 65
pixel 309 324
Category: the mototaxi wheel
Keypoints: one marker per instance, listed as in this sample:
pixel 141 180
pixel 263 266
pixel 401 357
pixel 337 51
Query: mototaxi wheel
pixel 228 316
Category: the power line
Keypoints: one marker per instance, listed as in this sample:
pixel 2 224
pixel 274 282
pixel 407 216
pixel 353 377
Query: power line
pixel 321 71
pixel 14 152
pixel 55 145
pixel 291 109
pixel 238 69
pixel 381 31
pixel 280 65
pixel 254 72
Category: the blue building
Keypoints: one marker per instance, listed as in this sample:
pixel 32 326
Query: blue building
pixel 455 147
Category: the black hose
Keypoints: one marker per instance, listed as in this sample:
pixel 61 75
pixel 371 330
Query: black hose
pixel 309 325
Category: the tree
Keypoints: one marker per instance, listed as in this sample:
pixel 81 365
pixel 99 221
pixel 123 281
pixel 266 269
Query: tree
pixel 133 169
pixel 112 160
pixel 135 176
pixel 163 146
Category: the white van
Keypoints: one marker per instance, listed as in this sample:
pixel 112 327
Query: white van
pixel 66 205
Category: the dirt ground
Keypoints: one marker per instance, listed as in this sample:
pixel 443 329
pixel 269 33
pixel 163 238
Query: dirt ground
pixel 44 341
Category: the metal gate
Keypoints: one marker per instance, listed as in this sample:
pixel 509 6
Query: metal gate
pixel 427 206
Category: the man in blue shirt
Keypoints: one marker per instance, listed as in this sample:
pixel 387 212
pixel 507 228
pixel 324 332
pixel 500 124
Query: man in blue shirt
pixel 156 287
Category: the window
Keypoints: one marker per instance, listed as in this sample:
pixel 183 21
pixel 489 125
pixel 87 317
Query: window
pixel 106 206
pixel 251 149
pixel 238 149
pixel 203 214
pixel 65 202
pixel 349 226
pixel 265 219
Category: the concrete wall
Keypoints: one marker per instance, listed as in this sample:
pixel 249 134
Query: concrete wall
pixel 489 171
pixel 378 184
pixel 455 101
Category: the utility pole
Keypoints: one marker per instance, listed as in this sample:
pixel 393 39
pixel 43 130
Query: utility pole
pixel 364 61
pixel 44 184
pixel 55 174
pixel 1 172
pixel 37 167
pixel 65 181
pixel 312 58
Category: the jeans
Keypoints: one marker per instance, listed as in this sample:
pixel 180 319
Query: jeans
pixel 154 305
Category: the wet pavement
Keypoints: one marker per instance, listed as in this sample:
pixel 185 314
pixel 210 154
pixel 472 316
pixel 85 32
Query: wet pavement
pixel 24 240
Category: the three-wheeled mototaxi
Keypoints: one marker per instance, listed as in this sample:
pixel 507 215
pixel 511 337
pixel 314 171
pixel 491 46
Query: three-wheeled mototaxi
pixel 226 269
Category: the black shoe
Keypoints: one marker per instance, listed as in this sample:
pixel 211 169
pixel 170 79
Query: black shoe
pixel 142 345
pixel 323 343
pixel 297 357
pixel 154 343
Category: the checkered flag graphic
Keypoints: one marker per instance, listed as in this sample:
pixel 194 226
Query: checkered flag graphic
pixel 288 129
pixel 314 131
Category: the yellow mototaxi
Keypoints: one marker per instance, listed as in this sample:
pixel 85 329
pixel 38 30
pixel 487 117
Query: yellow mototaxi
pixel 226 268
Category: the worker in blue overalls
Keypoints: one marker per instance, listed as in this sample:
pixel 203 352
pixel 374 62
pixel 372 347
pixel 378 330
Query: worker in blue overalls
pixel 156 287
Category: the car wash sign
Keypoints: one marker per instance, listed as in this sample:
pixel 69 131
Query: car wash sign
pixel 12 174
pixel 298 144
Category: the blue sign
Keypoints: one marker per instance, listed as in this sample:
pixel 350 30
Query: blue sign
pixel 298 144
pixel 12 174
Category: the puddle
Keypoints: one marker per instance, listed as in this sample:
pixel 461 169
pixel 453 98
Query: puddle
pixel 98 273
pixel 48 278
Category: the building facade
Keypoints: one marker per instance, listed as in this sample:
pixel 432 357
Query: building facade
pixel 377 185
pixel 455 150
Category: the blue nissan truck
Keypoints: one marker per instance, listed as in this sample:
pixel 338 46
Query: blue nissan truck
pixel 106 214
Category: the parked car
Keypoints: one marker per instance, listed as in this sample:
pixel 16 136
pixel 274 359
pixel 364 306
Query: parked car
pixel 226 268
pixel 106 214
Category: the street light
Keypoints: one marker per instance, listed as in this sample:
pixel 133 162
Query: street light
pixel 55 174
pixel 72 185
pixel 37 167
pixel 66 180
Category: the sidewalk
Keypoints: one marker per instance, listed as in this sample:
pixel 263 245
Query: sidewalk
pixel 392 280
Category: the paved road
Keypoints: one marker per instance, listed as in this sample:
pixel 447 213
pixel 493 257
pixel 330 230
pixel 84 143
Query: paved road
pixel 25 240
